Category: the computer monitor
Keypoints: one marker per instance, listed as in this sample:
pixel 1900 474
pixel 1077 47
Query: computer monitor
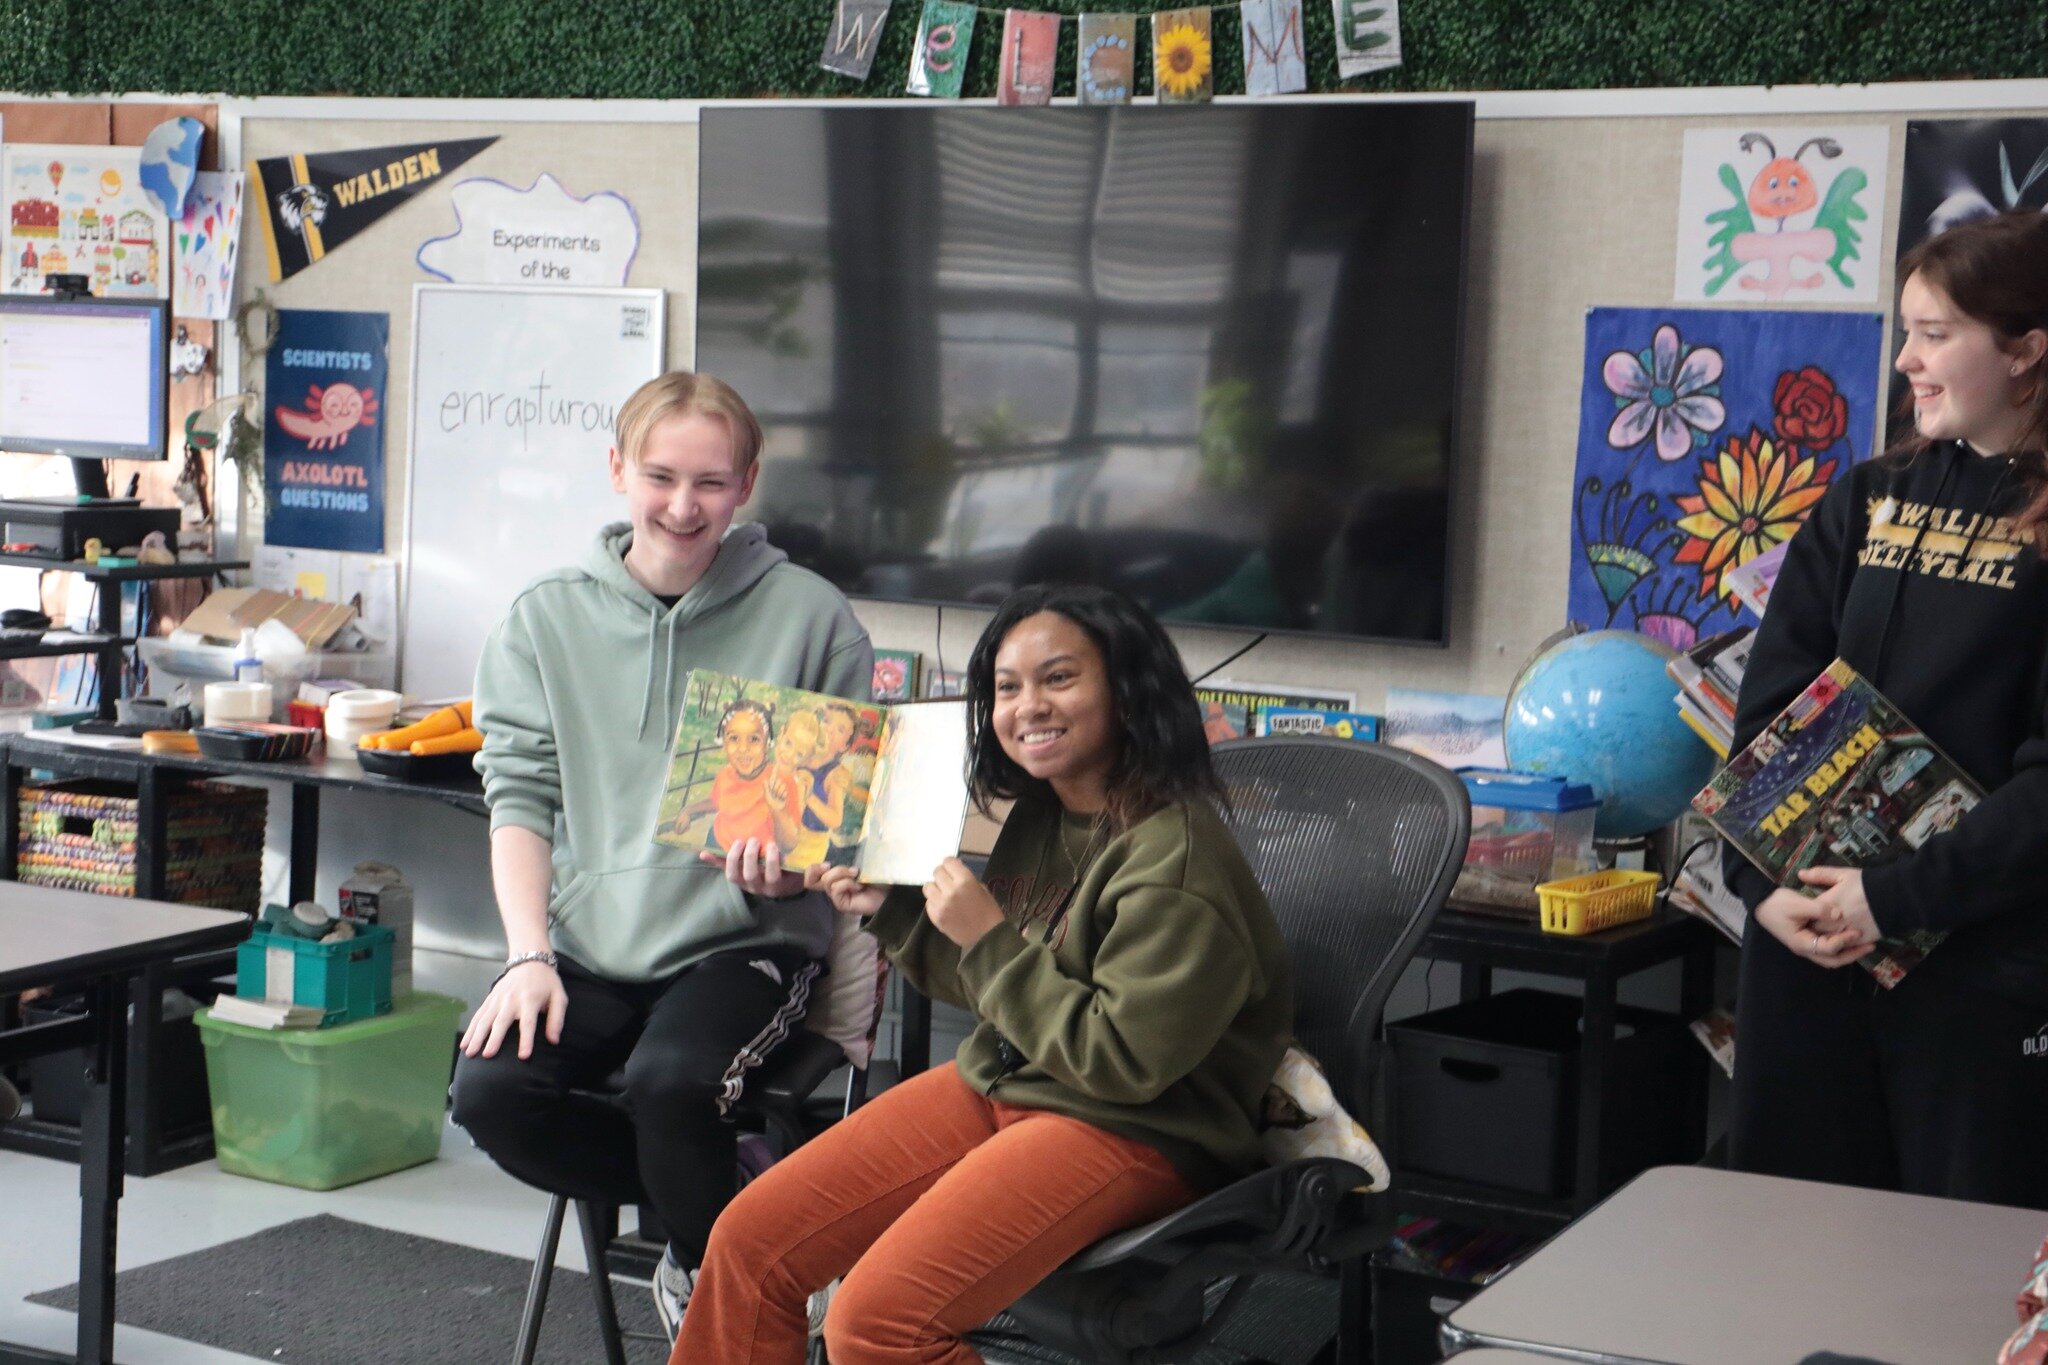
pixel 84 377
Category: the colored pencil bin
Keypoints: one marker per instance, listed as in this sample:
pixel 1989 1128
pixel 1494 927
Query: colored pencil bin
pixel 349 980
pixel 1597 900
pixel 322 1108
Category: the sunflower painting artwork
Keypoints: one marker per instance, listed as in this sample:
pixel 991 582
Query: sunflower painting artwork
pixel 1706 437
pixel 1183 61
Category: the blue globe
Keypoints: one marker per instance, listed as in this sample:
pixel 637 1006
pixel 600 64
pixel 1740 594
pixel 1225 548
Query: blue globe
pixel 1597 708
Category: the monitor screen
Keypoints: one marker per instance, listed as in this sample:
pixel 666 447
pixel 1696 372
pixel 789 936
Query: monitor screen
pixel 88 378
pixel 1207 355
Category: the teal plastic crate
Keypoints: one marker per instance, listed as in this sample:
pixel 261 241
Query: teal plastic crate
pixel 322 1108
pixel 349 980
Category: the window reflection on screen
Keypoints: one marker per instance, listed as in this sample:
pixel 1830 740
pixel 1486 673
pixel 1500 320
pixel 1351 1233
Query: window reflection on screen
pixel 1207 356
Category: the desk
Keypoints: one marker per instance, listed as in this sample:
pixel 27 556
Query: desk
pixel 49 936
pixel 68 754
pixel 1688 1266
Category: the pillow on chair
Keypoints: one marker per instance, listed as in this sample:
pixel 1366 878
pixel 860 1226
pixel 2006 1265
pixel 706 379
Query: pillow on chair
pixel 1303 1119
pixel 846 1008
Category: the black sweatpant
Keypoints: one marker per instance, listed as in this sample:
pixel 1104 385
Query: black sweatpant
pixel 1928 1087
pixel 686 1044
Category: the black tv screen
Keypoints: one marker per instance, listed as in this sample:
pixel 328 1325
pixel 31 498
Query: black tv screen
pixel 1208 355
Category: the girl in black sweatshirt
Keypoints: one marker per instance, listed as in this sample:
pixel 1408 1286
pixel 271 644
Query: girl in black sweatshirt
pixel 1924 571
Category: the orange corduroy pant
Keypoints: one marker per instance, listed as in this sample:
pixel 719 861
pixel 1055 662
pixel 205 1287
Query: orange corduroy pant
pixel 938 1206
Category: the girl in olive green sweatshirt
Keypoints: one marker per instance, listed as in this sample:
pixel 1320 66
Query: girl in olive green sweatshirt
pixel 1132 997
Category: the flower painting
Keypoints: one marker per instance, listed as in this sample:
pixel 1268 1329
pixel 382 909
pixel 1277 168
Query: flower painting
pixel 1706 437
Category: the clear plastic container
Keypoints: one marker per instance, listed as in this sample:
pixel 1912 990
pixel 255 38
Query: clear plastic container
pixel 322 1108
pixel 1526 829
pixel 171 663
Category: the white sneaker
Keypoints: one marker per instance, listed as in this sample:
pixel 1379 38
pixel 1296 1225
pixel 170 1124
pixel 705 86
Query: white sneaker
pixel 815 1309
pixel 672 1286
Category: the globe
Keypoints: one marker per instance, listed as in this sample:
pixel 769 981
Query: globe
pixel 1597 708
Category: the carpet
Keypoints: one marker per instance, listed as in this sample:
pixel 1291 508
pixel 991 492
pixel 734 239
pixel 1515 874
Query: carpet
pixel 328 1291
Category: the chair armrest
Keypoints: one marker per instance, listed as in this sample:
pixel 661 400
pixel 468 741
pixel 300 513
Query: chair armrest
pixel 1287 1209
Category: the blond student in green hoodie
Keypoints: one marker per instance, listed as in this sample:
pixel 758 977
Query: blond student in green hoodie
pixel 1132 997
pixel 625 952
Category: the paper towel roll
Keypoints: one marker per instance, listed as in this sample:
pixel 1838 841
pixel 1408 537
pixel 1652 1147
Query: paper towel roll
pixel 229 701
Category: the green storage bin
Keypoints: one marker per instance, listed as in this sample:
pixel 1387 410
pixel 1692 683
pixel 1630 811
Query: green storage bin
pixel 322 1108
pixel 349 980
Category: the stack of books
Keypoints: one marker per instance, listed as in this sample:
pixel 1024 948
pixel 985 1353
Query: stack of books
pixel 1700 890
pixel 1709 678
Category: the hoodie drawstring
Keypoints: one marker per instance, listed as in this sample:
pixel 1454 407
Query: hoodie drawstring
pixel 647 685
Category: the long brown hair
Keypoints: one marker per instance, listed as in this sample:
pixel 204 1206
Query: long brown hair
pixel 1995 271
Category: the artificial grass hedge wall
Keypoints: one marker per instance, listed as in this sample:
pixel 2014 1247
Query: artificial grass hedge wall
pixel 666 49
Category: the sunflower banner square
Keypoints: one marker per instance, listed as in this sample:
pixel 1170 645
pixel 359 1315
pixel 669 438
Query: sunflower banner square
pixel 1103 70
pixel 1706 438
pixel 1183 58
pixel 938 58
pixel 1029 44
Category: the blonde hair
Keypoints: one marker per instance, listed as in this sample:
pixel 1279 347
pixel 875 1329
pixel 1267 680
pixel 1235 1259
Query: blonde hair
pixel 682 393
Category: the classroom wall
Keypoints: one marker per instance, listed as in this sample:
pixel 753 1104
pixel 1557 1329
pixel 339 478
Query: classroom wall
pixel 1568 213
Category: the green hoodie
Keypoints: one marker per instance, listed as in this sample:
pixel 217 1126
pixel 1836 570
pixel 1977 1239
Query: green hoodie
pixel 1143 988
pixel 577 693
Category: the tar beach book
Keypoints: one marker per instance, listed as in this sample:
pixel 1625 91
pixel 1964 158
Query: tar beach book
pixel 1840 778
pixel 882 789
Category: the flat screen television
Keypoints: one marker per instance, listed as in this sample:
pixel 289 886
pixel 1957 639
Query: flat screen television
pixel 1207 355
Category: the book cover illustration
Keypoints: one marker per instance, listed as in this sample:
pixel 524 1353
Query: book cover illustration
pixel 1309 720
pixel 827 779
pixel 1231 710
pixel 1452 729
pixel 896 673
pixel 1841 777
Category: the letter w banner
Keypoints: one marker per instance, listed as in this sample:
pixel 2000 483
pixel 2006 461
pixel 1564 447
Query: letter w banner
pixel 856 28
pixel 312 202
pixel 323 433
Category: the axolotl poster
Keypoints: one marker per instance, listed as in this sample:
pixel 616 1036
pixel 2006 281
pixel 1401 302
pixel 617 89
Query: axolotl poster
pixel 323 433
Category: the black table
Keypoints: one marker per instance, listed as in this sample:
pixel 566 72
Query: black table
pixel 68 754
pixel 1482 944
pixel 48 936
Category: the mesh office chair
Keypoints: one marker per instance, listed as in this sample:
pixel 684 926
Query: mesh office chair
pixel 1356 846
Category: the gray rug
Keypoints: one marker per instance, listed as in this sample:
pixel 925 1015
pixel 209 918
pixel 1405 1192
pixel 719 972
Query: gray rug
pixel 327 1291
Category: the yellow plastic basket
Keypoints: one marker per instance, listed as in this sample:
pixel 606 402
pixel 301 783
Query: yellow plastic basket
pixel 1594 901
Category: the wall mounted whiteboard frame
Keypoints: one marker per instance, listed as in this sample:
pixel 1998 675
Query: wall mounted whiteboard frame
pixel 510 480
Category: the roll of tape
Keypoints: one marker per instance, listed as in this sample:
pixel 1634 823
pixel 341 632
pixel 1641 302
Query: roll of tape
pixel 231 701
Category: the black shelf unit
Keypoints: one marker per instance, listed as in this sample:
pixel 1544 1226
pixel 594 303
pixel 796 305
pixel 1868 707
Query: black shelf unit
pixel 1482 944
pixel 105 641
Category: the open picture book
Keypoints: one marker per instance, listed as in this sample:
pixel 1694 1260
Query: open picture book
pixel 882 789
pixel 1840 778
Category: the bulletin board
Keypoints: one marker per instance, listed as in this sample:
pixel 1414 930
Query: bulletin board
pixel 514 393
pixel 455 584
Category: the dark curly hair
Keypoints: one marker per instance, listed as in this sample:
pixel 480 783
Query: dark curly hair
pixel 1162 752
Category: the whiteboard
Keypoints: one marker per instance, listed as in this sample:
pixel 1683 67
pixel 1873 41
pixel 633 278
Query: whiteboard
pixel 514 392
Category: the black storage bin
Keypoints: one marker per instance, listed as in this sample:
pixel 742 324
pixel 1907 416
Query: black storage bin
pixel 1487 1092
pixel 177 1082
pixel 1408 1306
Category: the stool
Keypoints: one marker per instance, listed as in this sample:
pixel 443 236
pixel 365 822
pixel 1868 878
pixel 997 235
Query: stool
pixel 773 1097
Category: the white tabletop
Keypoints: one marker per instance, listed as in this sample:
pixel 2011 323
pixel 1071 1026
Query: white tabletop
pixel 47 934
pixel 1686 1266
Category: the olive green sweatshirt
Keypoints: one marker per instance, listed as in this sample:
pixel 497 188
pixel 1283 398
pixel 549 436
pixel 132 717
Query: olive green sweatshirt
pixel 1140 981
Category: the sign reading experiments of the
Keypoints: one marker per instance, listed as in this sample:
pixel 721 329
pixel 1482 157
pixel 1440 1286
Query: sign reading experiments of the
pixel 310 203
pixel 323 440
